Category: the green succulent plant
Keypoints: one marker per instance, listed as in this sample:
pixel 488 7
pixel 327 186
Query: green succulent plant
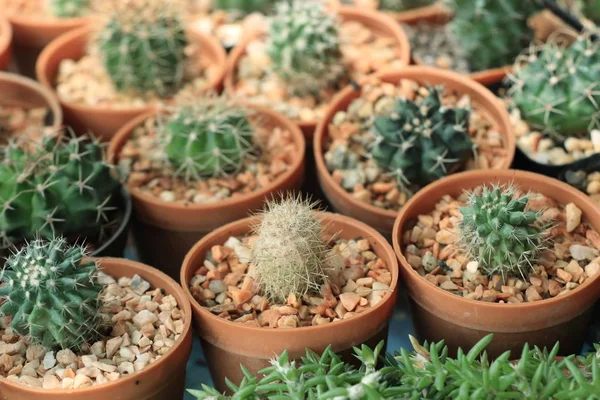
pixel 209 137
pixel 69 8
pixel 421 141
pixel 59 186
pixel 142 47
pixel 403 5
pixel 304 47
pixel 500 233
pixel 556 87
pixel 52 294
pixel 244 6
pixel 491 33
pixel 290 255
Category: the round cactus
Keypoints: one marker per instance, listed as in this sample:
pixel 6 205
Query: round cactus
pixel 61 186
pixel 69 8
pixel 556 87
pixel 304 47
pixel 208 138
pixel 498 232
pixel 290 255
pixel 403 5
pixel 244 6
pixel 419 142
pixel 52 294
pixel 143 47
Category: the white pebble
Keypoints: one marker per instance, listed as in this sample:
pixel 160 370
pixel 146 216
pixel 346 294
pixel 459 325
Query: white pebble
pixel 580 252
pixel 49 360
pixel 167 196
pixel 472 267
pixel 144 317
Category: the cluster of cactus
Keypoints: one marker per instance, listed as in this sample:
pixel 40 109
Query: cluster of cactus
pixel 420 141
pixel 52 294
pixel 59 186
pixel 498 231
pixel 68 8
pixel 209 137
pixel 424 373
pixel 142 47
pixel 556 88
pixel 244 6
pixel 403 5
pixel 290 255
pixel 491 33
pixel 304 47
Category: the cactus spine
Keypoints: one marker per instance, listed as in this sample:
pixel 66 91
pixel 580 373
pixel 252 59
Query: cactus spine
pixel 419 142
pixel 143 47
pixel 290 255
pixel 208 137
pixel 52 294
pixel 403 5
pixel 69 8
pixel 498 232
pixel 304 47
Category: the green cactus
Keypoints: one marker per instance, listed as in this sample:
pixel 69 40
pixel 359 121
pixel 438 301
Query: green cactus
pixel 61 186
pixel 491 33
pixel 244 6
pixel 403 5
pixel 209 137
pixel 143 46
pixel 497 231
pixel 556 87
pixel 52 294
pixel 419 142
pixel 290 255
pixel 304 47
pixel 69 8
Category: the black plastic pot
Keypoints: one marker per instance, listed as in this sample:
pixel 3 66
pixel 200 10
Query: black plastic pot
pixel 115 246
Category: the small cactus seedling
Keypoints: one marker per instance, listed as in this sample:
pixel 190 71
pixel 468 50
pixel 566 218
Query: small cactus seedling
pixel 52 294
pixel 208 138
pixel 69 8
pixel 304 47
pixel 557 88
pixel 491 33
pixel 244 6
pixel 403 5
pixel 290 255
pixel 61 186
pixel 498 232
pixel 143 47
pixel 419 142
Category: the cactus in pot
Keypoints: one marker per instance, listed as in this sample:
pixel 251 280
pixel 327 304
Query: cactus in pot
pixel 51 292
pixel 421 141
pixel 68 8
pixel 304 47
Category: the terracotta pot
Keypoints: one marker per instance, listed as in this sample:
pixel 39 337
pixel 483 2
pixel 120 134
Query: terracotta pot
pixel 435 13
pixel 105 121
pixel 228 345
pixel 163 380
pixel 23 92
pixel 32 34
pixel 379 218
pixel 164 232
pixel 5 43
pixel 376 21
pixel 438 314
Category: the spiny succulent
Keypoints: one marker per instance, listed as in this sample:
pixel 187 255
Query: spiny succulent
pixel 403 5
pixel 142 47
pixel 208 137
pixel 420 141
pixel 556 86
pixel 491 33
pixel 290 255
pixel 69 8
pixel 59 186
pixel 304 46
pixel 500 233
pixel 52 294
pixel 244 6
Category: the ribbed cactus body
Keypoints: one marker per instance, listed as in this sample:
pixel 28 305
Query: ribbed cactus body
pixel 244 6
pixel 403 5
pixel 420 142
pixel 499 233
pixel 143 48
pixel 52 294
pixel 304 46
pixel 556 88
pixel 69 8
pixel 491 33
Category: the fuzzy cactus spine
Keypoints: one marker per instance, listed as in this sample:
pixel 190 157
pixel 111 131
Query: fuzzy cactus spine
pixel 68 8
pixel 52 294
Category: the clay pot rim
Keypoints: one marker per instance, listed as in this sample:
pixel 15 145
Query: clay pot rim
pixel 6 34
pixel 328 217
pixel 143 270
pixel 319 137
pixel 61 40
pixel 51 101
pixel 138 195
pixel 551 183
pixel 430 11
pixel 345 12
